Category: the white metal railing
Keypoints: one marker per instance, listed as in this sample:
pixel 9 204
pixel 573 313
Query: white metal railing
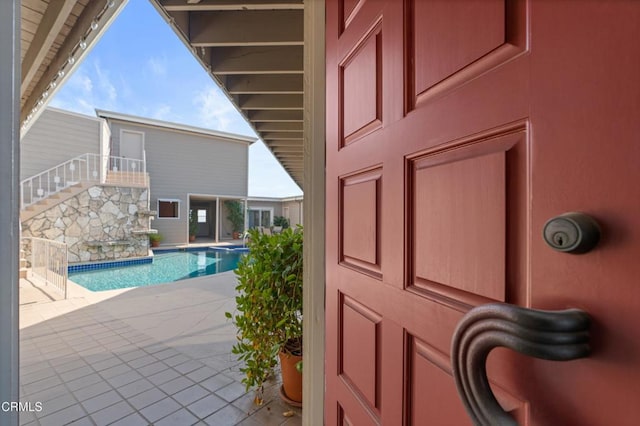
pixel 123 170
pixel 49 261
pixel 84 168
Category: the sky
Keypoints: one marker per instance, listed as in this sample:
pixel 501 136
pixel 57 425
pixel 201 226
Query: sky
pixel 140 67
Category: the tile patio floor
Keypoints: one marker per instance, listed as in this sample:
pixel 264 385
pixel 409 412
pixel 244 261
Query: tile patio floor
pixel 157 355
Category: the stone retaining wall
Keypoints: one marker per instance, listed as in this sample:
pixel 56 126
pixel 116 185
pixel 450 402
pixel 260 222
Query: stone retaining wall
pixel 96 224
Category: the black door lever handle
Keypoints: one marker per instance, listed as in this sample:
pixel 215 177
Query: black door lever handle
pixel 550 335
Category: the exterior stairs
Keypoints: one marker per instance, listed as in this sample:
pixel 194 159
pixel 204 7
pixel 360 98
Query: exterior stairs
pixel 50 201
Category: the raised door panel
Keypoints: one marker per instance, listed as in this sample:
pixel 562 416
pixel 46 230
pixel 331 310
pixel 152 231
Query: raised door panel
pixel 456 33
pixel 361 88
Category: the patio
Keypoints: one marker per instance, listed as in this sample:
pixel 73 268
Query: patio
pixel 151 355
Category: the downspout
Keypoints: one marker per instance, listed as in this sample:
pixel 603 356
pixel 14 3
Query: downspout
pixel 10 79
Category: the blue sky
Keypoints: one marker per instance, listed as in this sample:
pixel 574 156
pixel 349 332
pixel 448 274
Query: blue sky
pixel 140 67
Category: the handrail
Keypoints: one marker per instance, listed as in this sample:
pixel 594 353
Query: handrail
pixel 83 168
pixel 50 261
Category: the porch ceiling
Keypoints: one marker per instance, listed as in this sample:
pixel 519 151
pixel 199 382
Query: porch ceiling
pixel 253 49
pixel 55 34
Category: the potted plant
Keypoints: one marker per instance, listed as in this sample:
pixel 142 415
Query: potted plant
pixel 155 239
pixel 235 215
pixel 280 223
pixel 193 225
pixel 269 311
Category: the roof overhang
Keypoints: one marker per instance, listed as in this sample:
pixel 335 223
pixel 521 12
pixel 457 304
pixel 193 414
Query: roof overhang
pixel 253 49
pixel 55 36
pixel 230 137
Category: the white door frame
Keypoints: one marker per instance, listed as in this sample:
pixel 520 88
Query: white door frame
pixel 313 293
pixel 120 144
pixel 10 207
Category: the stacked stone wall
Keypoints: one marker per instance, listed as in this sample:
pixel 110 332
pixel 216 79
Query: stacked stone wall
pixel 97 224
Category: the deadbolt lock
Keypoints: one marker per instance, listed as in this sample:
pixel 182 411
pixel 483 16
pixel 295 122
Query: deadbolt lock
pixel 572 233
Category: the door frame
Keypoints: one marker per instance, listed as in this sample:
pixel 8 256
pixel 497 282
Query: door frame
pixel 9 211
pixel 313 215
pixel 120 143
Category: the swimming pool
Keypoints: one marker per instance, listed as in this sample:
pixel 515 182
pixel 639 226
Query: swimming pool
pixel 166 267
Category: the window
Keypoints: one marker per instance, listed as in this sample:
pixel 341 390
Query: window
pixel 285 213
pixel 260 216
pixel 169 209
pixel 202 216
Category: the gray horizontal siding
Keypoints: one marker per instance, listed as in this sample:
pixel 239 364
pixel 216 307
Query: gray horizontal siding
pixel 180 164
pixel 295 212
pixel 55 138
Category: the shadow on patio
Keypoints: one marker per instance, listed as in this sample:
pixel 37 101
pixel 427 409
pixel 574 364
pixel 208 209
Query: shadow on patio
pixel 152 355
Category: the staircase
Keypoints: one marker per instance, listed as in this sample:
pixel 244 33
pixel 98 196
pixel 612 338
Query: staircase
pixel 46 203
pixel 66 180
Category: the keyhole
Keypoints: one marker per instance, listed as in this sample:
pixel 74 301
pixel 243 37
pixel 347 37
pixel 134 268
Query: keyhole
pixel 559 238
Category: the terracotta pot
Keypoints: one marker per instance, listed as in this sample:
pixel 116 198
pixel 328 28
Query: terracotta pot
pixel 236 235
pixel 155 243
pixel 291 378
pixel 192 238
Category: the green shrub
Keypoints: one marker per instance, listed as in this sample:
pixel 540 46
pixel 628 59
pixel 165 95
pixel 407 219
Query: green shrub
pixel 235 215
pixel 269 303
pixel 281 221
pixel 193 222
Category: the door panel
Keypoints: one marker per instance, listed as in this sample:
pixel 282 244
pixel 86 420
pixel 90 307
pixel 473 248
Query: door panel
pixel 455 130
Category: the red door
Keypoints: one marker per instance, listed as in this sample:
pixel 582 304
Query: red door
pixel 455 130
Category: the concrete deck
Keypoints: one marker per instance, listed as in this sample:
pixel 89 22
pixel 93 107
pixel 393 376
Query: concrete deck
pixel 156 355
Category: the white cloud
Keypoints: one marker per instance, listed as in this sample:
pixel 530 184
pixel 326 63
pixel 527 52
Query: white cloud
pixel 105 85
pixel 162 112
pixel 158 65
pixel 214 110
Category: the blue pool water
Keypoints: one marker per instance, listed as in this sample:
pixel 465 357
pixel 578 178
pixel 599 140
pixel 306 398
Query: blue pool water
pixel 166 267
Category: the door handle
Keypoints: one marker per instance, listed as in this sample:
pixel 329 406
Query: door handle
pixel 550 335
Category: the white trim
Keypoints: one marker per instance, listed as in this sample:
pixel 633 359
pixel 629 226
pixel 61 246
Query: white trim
pixel 10 206
pixel 277 199
pixel 313 290
pixel 73 113
pixel 138 132
pixel 229 137
pixel 216 234
pixel 262 209
pixel 168 200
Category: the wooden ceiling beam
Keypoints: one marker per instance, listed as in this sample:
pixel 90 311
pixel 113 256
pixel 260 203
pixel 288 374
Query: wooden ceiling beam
pixel 214 5
pixel 279 127
pixel 282 136
pixel 265 84
pixel 257 60
pixel 270 102
pixel 247 28
pixel 59 61
pixel 52 22
pixel 275 115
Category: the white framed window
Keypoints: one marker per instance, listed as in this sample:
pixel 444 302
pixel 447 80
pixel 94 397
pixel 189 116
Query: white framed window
pixel 260 216
pixel 202 216
pixel 168 209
